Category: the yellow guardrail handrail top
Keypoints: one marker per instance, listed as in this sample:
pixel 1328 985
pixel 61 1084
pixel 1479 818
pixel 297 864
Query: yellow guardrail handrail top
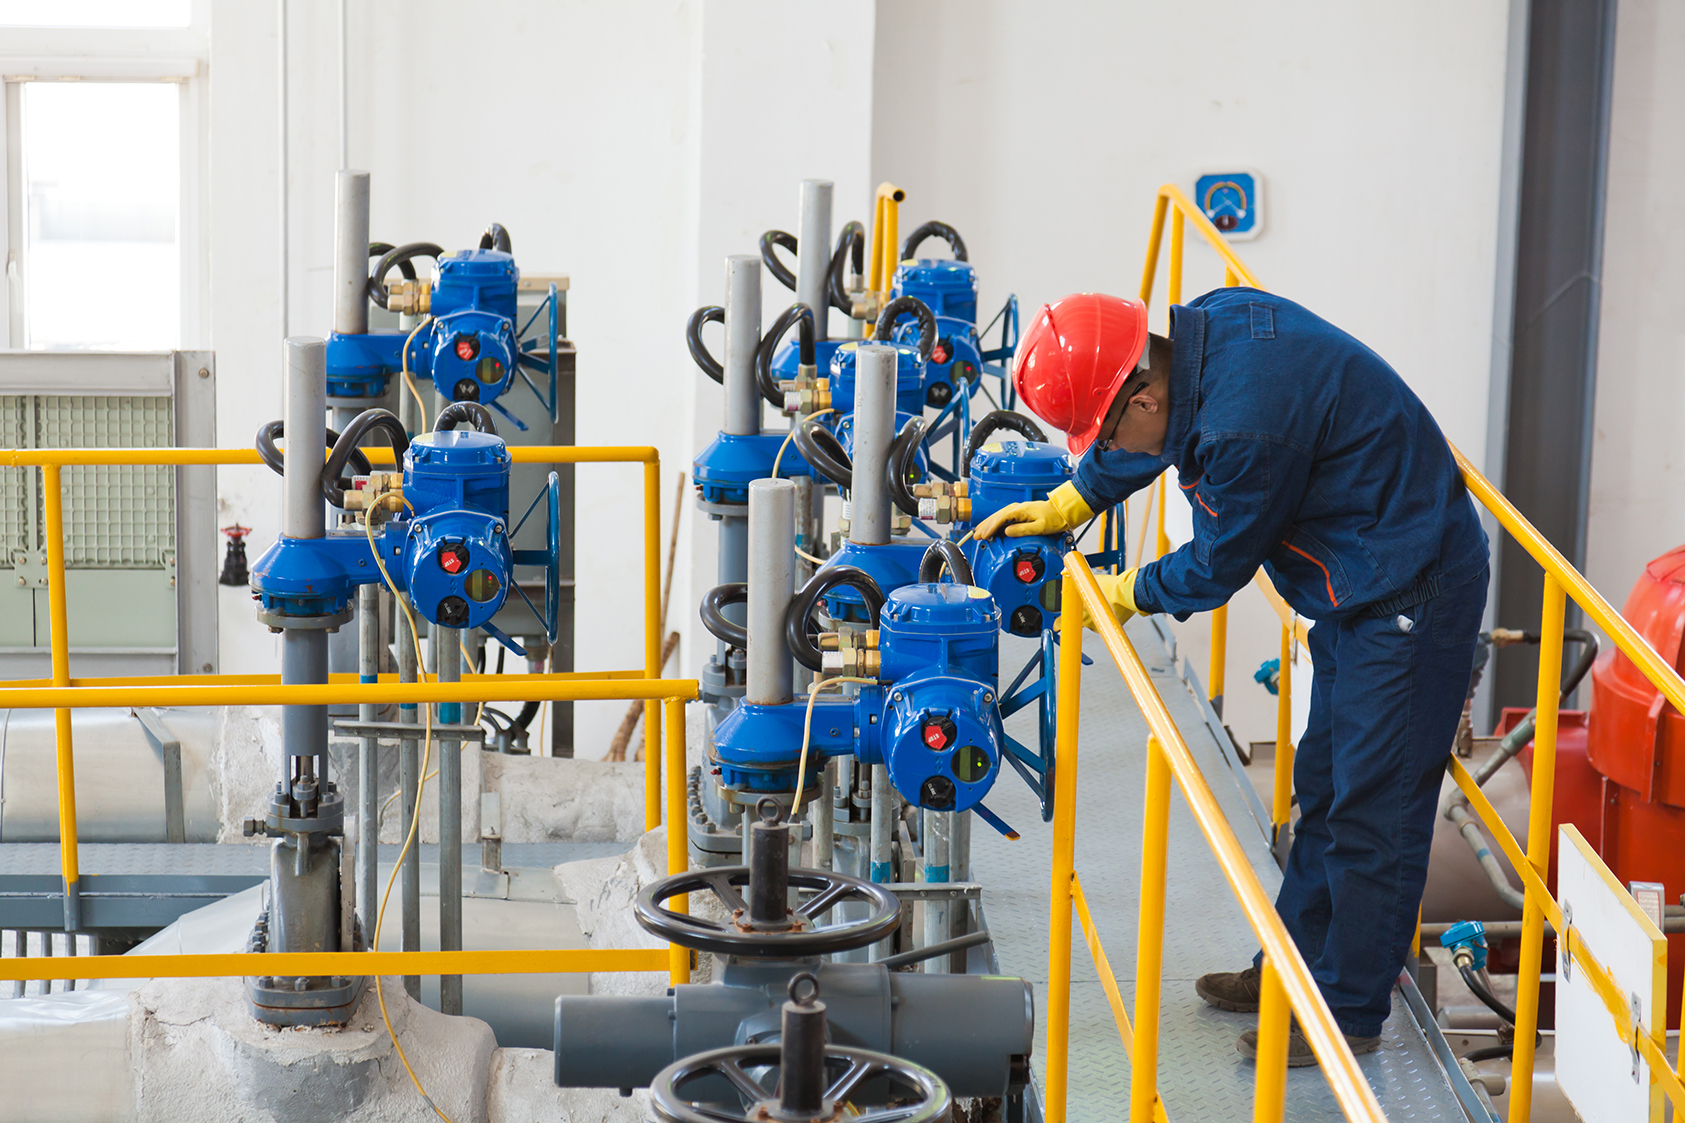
pixel 503 961
pixel 377 454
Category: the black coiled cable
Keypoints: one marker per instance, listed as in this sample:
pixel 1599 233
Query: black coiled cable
pixel 465 413
pixel 344 450
pixel 713 601
pixel 802 647
pixel 267 451
pixel 993 422
pixel 777 268
pixel 908 306
pixel 944 554
pixel 497 238
pixel 797 314
pixel 934 229
pixel 851 240
pixel 396 257
pixel 707 314
pixel 404 267
pixel 902 469
pixel 824 453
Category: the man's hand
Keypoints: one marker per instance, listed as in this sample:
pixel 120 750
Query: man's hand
pixel 1038 516
pixel 1119 591
pixel 1060 511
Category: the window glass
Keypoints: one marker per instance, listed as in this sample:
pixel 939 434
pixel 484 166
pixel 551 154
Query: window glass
pixel 101 172
pixel 95 13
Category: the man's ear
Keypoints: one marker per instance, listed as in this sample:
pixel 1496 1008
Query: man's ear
pixel 1143 400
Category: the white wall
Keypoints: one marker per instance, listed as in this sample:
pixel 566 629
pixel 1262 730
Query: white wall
pixel 1637 509
pixel 1041 132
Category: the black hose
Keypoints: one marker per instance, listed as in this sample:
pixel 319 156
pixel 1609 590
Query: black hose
pixel 908 306
pixel 797 314
pixel 715 599
pixel 344 450
pixel 496 238
pixel 853 237
pixel 269 433
pixel 1490 1053
pixel 992 423
pixel 802 604
pixel 404 267
pixel 707 314
pixel 1588 655
pixel 944 553
pixel 377 279
pixel 821 449
pixel 900 474
pixel 1478 988
pixel 934 230
pixel 465 413
pixel 529 710
pixel 771 239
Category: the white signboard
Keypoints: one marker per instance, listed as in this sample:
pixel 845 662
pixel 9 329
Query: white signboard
pixel 1594 1067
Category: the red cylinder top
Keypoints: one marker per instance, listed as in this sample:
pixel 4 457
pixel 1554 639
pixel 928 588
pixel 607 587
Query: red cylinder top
pixel 1636 739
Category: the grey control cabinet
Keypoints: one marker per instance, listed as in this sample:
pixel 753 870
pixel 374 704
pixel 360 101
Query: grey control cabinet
pixel 141 559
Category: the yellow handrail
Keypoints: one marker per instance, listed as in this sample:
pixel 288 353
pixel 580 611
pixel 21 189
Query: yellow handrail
pixel 1168 758
pixel 61 693
pixel 1562 583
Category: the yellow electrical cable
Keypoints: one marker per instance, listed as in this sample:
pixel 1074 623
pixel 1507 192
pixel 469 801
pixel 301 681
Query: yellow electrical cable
pixel 788 437
pixel 807 557
pixel 807 731
pixel 415 817
pixel 421 409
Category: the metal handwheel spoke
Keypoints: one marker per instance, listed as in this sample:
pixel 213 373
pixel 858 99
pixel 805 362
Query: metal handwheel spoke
pixel 752 1090
pixel 823 901
pixel 843 1086
pixel 720 883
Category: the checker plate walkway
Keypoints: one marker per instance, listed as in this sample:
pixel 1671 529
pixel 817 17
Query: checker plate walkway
pixel 1201 1076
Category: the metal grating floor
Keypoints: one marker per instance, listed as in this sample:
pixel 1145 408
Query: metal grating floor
pixel 1201 1076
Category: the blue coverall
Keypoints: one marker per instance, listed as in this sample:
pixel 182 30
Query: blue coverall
pixel 1301 450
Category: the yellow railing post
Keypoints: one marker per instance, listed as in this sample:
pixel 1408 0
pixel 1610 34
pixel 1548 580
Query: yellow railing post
pixel 1064 848
pixel 1269 1097
pixel 1219 657
pixel 1162 542
pixel 1538 847
pixel 1173 286
pixel 1149 939
pixel 678 838
pixel 1150 269
pixel 652 641
pixel 53 500
pixel 1281 810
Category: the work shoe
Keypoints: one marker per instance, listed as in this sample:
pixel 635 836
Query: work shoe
pixel 1299 1050
pixel 1232 990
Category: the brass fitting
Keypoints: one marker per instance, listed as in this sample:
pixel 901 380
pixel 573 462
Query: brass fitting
pixel 943 502
pixel 807 393
pixel 849 652
pixel 368 492
pixel 410 298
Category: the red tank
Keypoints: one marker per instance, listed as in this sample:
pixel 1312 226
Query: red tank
pixel 1627 794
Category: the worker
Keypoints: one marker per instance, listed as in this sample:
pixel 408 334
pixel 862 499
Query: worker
pixel 1300 450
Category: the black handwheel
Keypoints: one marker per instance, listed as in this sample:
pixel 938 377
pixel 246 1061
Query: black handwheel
pixel 752 1073
pixel 798 937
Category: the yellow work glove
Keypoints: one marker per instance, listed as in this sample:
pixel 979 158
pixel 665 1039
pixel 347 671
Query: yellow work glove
pixel 1060 511
pixel 1119 591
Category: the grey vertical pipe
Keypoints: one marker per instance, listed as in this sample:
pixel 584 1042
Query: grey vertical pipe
pixel 937 923
pixel 304 651
pixel 874 431
pixel 820 811
pixel 448 663
pixel 772 529
pixel 813 252
pixel 351 253
pixel 368 763
pixel 883 834
pixel 742 338
pixel 959 847
pixel 344 92
pixel 409 783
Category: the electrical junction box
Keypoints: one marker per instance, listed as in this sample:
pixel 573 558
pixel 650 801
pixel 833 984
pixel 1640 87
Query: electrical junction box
pixel 1233 201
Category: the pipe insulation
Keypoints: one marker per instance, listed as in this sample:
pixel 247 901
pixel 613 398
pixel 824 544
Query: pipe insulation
pixel 351 254
pixel 813 261
pixel 742 339
pixel 772 531
pixel 874 432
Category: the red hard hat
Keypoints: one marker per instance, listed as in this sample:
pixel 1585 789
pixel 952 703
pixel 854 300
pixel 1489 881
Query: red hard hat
pixel 1073 360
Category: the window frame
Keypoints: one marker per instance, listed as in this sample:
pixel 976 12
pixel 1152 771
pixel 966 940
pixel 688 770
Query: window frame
pixel 179 55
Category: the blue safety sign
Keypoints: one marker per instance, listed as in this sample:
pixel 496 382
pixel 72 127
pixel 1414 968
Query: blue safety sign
pixel 1233 201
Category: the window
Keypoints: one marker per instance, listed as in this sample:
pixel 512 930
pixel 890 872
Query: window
pixel 102 162
pixel 101 263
